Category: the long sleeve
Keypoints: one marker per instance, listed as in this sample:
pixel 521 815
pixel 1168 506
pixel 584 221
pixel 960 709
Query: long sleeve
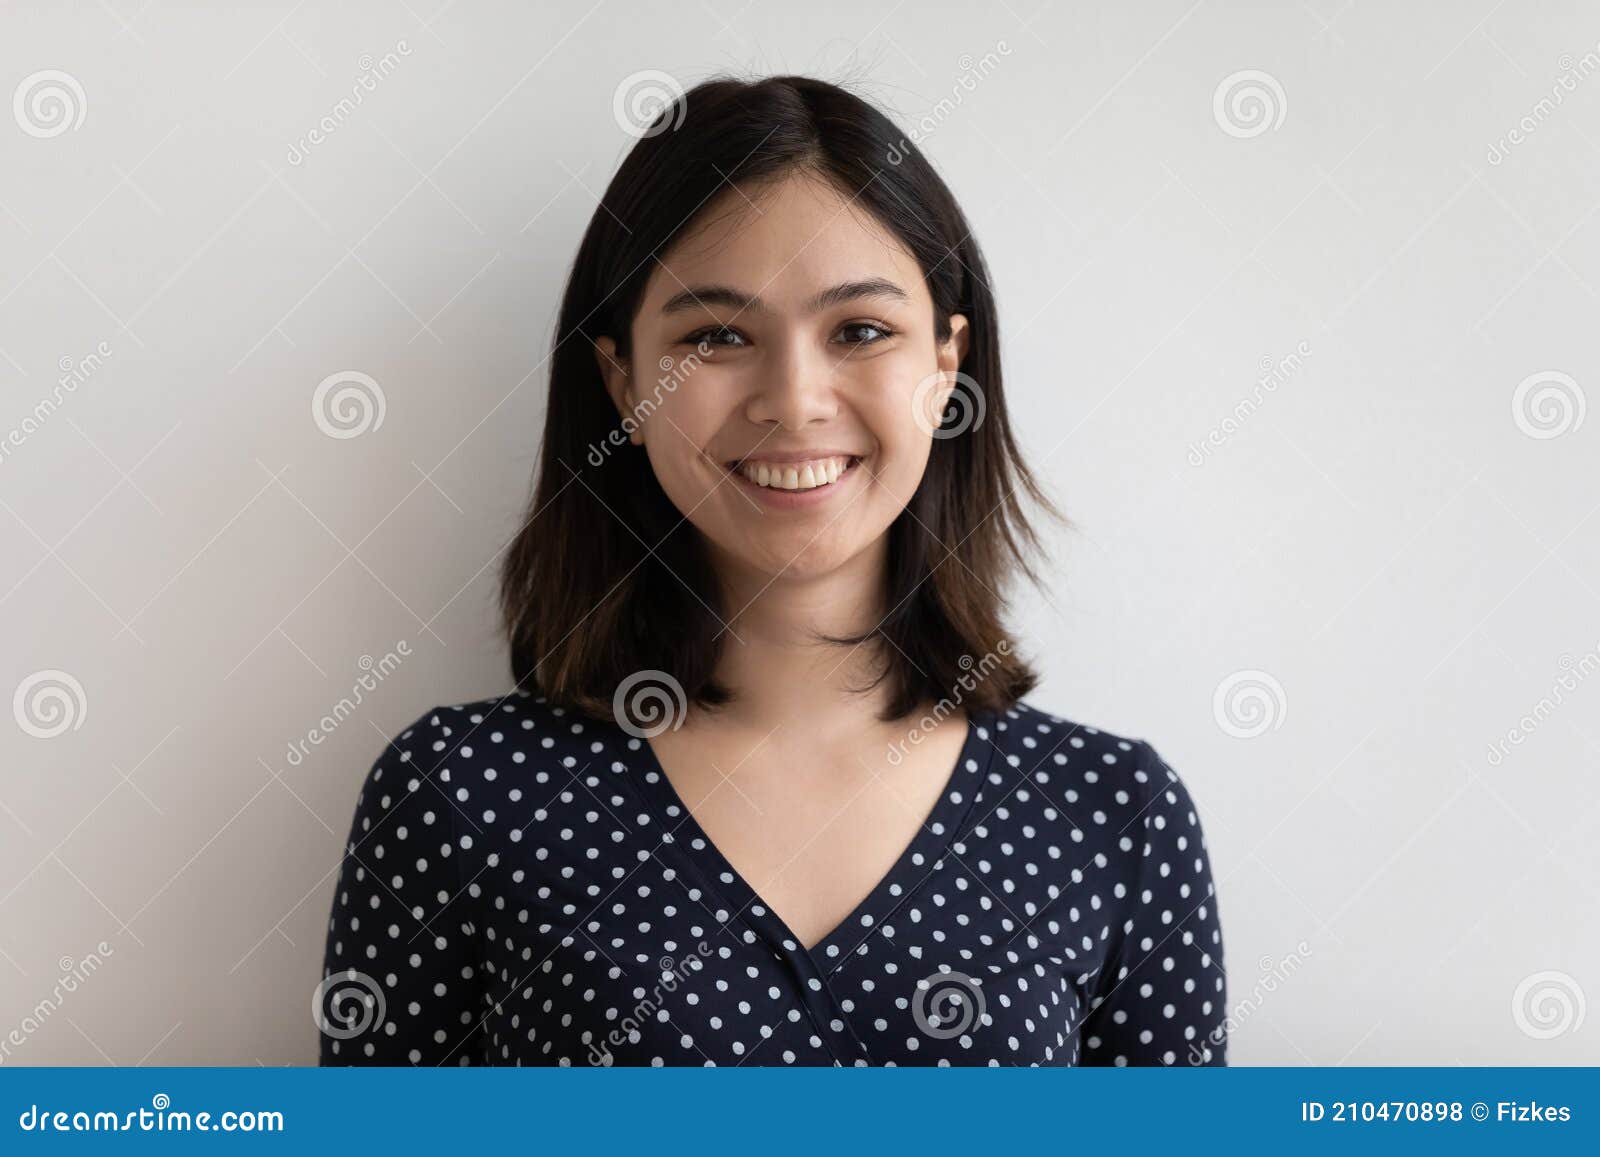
pixel 1163 999
pixel 400 973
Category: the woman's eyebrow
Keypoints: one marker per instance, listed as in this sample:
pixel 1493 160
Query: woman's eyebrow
pixel 696 296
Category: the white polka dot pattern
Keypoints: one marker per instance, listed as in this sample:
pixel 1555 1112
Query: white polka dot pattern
pixel 522 885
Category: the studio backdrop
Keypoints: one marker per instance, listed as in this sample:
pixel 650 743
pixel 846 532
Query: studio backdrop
pixel 1299 312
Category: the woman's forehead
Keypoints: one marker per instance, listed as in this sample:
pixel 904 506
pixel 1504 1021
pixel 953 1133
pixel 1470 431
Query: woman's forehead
pixel 783 242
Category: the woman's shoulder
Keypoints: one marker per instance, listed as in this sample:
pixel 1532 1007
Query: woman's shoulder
pixel 1030 736
pixel 432 766
pixel 1110 788
pixel 1119 768
pixel 517 732
pixel 518 724
pixel 1028 726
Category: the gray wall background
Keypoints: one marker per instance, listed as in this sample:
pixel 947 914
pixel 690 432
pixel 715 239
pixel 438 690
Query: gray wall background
pixel 1309 368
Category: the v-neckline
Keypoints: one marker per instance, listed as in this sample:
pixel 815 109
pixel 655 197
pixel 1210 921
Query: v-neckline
pixel 910 868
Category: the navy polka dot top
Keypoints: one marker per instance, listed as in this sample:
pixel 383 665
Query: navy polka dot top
pixel 522 885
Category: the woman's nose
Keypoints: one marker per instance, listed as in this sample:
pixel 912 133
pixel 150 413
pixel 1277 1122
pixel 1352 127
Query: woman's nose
pixel 796 385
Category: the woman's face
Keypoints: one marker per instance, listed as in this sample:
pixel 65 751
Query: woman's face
pixel 787 340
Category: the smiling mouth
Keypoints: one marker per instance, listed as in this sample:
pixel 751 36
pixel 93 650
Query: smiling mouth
pixel 812 474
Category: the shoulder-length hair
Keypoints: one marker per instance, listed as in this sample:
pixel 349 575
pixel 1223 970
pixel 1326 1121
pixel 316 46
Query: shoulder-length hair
pixel 606 582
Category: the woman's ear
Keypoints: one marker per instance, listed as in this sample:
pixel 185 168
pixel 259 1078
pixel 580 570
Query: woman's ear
pixel 614 372
pixel 953 350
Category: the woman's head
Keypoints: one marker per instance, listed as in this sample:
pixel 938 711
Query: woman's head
pixel 801 329
pixel 774 273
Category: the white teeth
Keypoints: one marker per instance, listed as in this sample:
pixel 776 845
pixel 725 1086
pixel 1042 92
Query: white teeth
pixel 796 475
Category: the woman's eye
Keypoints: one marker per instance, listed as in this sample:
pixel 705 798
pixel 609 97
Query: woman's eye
pixel 863 333
pixel 717 336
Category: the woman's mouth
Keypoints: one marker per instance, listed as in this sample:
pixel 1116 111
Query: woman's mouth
pixel 806 475
pixel 800 483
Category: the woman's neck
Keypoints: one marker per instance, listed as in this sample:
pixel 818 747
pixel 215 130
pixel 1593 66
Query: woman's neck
pixel 772 661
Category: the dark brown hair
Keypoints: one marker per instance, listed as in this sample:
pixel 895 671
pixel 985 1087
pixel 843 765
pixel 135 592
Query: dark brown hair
pixel 606 579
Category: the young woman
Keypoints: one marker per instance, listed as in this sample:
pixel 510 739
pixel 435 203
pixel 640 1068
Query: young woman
pixel 768 792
